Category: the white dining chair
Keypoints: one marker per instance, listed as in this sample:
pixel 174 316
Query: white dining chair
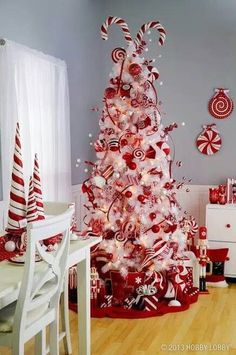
pixel 53 208
pixel 38 302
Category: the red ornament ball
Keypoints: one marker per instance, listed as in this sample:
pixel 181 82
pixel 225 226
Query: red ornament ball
pixel 128 194
pixel 134 69
pixel 109 256
pixel 125 90
pixel 155 228
pixel 132 165
pixel 141 198
pixel 138 247
pixel 152 216
pixel 109 93
pixel 123 142
pixel 109 234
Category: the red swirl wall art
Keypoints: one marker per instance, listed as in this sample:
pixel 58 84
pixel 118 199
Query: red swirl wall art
pixel 221 105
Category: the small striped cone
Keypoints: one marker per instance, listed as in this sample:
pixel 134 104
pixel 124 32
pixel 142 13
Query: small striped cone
pixel 38 189
pixel 17 205
pixel 32 212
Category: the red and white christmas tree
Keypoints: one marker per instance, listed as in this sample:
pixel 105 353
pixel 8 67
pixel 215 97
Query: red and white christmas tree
pixel 131 194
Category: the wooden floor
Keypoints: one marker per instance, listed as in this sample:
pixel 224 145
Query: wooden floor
pixel 209 325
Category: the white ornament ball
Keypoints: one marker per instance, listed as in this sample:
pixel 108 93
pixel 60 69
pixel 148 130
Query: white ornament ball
pixel 183 123
pixel 10 246
pixel 85 170
pixel 90 135
pixel 99 181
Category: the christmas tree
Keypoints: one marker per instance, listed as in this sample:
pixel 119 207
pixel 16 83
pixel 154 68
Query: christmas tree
pixel 131 192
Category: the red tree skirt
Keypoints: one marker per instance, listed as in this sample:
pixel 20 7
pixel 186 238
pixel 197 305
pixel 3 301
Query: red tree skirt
pixel 120 312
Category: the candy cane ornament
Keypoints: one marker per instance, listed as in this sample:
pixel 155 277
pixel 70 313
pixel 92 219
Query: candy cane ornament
pixel 118 21
pixel 154 25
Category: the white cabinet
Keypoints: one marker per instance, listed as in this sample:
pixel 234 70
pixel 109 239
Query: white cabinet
pixel 221 232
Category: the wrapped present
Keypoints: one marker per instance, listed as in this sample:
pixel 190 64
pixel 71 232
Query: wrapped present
pixel 129 302
pixel 135 279
pixel 147 298
pixel 159 281
pixel 118 283
pixel 150 303
pixel 107 302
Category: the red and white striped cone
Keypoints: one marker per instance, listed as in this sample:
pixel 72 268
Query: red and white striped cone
pixel 17 205
pixel 32 212
pixel 38 189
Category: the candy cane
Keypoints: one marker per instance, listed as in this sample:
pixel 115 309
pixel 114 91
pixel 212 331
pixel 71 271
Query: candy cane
pixel 146 27
pixel 116 20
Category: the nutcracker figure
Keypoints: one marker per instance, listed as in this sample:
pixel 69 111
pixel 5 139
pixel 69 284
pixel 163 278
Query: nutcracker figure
pixel 95 285
pixel 203 259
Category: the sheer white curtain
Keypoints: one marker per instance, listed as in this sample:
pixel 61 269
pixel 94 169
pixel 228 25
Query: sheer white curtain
pixel 34 91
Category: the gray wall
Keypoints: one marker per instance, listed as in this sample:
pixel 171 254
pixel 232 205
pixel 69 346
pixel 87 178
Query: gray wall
pixel 199 55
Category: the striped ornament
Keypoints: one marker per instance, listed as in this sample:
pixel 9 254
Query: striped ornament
pixel 155 25
pixel 160 250
pixel 38 189
pixel 17 206
pixel 153 73
pixel 108 172
pixel 132 179
pixel 32 212
pixel 209 141
pixel 118 21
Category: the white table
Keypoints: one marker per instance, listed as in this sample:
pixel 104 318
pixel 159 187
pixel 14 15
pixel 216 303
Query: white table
pixel 11 276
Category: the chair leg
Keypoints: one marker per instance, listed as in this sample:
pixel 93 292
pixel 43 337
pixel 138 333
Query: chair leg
pixel 54 336
pixel 40 343
pixel 65 321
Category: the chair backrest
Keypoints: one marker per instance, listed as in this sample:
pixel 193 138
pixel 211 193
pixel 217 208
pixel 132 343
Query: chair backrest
pixel 54 208
pixel 42 281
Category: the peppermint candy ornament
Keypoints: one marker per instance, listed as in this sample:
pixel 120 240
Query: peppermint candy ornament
pixel 209 141
pixel 118 54
pixel 221 105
